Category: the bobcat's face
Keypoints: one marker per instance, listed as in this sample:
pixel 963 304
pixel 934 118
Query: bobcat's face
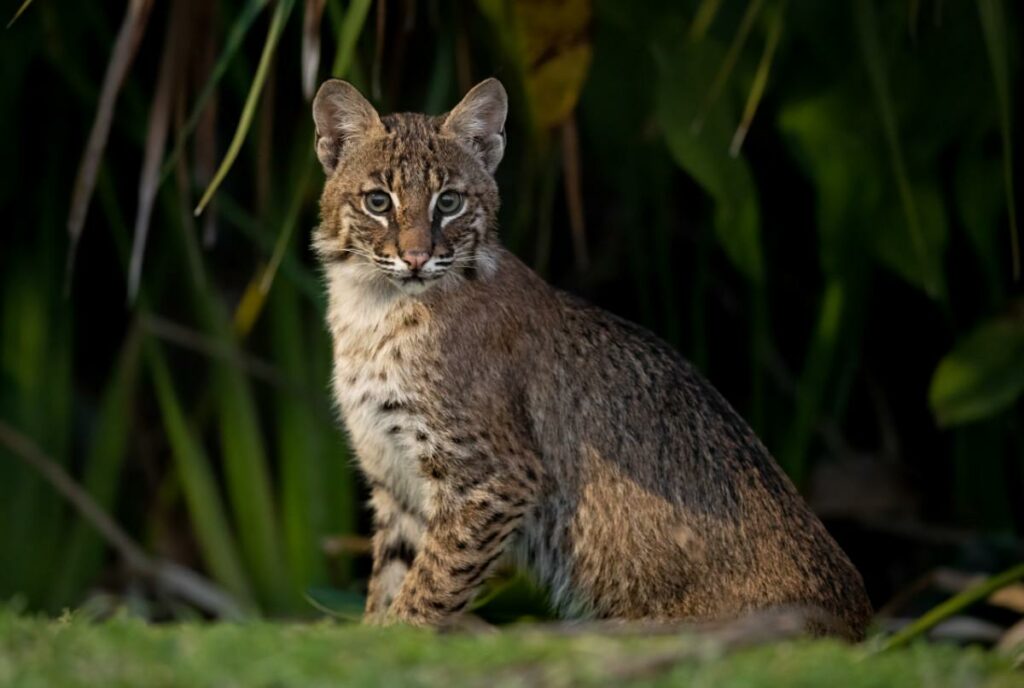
pixel 409 198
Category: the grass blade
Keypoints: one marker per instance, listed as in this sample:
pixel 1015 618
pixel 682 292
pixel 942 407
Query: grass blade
pixel 248 481
pixel 728 63
pixel 36 394
pixel 103 462
pixel 953 605
pixel 291 220
pixel 20 11
pixel 348 36
pixel 871 48
pixel 702 19
pixel 216 542
pixel 169 577
pixel 308 282
pixel 156 139
pixel 572 169
pixel 297 431
pixel 336 494
pixel 281 13
pixel 243 22
pixel 814 379
pixel 128 38
pixel 760 81
pixel 241 441
pixel 302 169
pixel 311 45
pixel 993 24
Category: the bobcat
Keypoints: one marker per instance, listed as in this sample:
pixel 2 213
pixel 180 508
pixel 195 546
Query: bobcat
pixel 497 419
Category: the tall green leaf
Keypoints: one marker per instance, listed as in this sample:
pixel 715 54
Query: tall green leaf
pixel 993 24
pixel 281 13
pixel 216 541
pixel 874 59
pixel 812 386
pixel 102 471
pixel 350 28
pixel 684 75
pixel 302 512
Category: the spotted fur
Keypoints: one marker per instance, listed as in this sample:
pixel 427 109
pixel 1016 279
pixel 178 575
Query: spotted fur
pixel 498 419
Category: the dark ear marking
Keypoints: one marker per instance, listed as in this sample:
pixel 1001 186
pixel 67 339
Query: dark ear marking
pixel 478 122
pixel 341 115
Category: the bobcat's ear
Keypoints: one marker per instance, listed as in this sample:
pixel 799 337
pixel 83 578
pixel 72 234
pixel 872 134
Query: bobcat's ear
pixel 479 121
pixel 341 114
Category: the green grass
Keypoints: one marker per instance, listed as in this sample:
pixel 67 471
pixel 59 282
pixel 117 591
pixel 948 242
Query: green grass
pixel 72 651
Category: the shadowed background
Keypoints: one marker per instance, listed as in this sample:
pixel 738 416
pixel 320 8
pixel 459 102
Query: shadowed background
pixel 814 202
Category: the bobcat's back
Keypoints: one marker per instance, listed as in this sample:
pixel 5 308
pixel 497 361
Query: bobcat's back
pixel 658 501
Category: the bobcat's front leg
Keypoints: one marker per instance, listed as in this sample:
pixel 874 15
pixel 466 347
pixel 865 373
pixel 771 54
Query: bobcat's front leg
pixel 396 540
pixel 464 540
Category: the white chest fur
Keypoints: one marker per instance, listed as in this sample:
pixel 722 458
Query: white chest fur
pixel 379 339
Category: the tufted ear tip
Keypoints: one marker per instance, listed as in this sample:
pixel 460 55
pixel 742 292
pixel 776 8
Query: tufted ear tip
pixel 341 114
pixel 492 90
pixel 479 121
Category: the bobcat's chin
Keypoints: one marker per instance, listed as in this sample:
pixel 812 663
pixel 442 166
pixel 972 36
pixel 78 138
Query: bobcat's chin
pixel 416 284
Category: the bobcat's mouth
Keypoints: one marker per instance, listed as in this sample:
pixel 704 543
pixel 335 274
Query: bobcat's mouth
pixel 416 282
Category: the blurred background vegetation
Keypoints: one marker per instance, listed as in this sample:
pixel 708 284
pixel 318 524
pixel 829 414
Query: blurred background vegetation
pixel 813 201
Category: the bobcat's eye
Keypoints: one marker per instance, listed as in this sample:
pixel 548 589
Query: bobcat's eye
pixel 449 202
pixel 378 202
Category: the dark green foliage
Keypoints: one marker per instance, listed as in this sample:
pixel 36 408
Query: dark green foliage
pixel 847 266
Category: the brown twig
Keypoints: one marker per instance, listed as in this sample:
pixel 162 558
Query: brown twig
pixel 156 140
pixel 311 20
pixel 195 341
pixel 128 37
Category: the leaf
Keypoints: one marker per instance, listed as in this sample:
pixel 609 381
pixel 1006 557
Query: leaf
pixel 838 154
pixel 103 462
pixel 813 387
pixel 993 24
pixel 128 37
pixel 979 205
pixel 281 12
pixel 21 10
pixel 303 277
pixel 348 37
pixel 982 375
pixel 549 43
pixel 760 82
pixel 239 28
pixel 216 541
pixel 893 246
pixel 703 18
pixel 299 474
pixel 874 60
pixel 156 139
pixel 728 62
pixel 683 76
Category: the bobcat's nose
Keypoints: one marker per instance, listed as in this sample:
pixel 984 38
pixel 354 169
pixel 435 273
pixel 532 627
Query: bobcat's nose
pixel 415 259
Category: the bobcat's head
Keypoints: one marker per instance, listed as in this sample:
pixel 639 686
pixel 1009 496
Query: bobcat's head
pixel 408 197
